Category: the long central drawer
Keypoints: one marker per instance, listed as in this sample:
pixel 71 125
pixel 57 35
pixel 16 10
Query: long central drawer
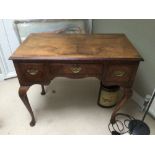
pixel 82 69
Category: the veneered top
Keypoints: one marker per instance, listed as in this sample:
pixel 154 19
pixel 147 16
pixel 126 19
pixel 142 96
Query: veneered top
pixel 49 46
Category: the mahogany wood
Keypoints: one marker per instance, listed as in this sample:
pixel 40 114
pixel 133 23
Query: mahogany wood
pixel 23 95
pixel 126 96
pixel 49 46
pixel 109 57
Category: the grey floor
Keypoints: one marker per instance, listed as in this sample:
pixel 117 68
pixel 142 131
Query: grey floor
pixel 69 107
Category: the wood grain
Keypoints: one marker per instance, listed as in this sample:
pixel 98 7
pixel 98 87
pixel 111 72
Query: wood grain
pixel 49 46
pixel 109 57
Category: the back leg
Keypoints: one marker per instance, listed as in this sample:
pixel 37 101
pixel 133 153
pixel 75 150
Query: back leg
pixel 43 90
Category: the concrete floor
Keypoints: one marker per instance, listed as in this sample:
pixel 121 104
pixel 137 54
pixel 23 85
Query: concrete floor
pixel 69 107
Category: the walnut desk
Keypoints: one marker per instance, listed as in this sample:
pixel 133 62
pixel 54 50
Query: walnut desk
pixel 43 56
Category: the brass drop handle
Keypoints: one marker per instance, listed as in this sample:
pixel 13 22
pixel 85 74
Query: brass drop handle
pixel 32 71
pixel 76 69
pixel 119 73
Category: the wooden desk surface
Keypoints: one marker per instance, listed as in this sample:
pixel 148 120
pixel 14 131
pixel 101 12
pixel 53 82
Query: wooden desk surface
pixel 40 58
pixel 42 46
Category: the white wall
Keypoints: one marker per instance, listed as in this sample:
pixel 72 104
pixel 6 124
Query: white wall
pixel 142 34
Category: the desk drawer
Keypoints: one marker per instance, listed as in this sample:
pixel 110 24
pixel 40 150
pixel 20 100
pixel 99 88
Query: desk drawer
pixel 121 73
pixel 74 69
pixel 31 72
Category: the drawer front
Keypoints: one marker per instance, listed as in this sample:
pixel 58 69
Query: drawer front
pixel 121 73
pixel 31 72
pixel 76 69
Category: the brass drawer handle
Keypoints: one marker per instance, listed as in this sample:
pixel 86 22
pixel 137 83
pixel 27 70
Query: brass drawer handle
pixel 119 73
pixel 32 71
pixel 76 69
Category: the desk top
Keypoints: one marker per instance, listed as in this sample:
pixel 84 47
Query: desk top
pixel 49 46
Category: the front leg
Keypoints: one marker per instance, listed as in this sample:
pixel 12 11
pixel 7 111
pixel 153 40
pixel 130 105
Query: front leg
pixel 23 95
pixel 126 96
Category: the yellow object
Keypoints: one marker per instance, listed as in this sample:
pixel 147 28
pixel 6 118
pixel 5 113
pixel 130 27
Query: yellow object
pixel 109 96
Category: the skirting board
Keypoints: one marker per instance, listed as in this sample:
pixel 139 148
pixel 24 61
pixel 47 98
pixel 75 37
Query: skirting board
pixel 1 77
pixel 140 100
pixel 10 75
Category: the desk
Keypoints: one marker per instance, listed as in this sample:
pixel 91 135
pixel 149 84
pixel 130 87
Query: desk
pixel 43 56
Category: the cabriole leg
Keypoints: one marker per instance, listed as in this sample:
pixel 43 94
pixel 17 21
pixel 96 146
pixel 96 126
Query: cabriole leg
pixel 23 95
pixel 126 96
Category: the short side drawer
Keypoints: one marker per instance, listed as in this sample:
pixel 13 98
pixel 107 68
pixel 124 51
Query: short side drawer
pixel 121 73
pixel 31 73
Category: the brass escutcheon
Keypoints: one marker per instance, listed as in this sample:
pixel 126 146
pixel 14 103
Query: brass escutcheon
pixel 119 73
pixel 32 71
pixel 76 69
